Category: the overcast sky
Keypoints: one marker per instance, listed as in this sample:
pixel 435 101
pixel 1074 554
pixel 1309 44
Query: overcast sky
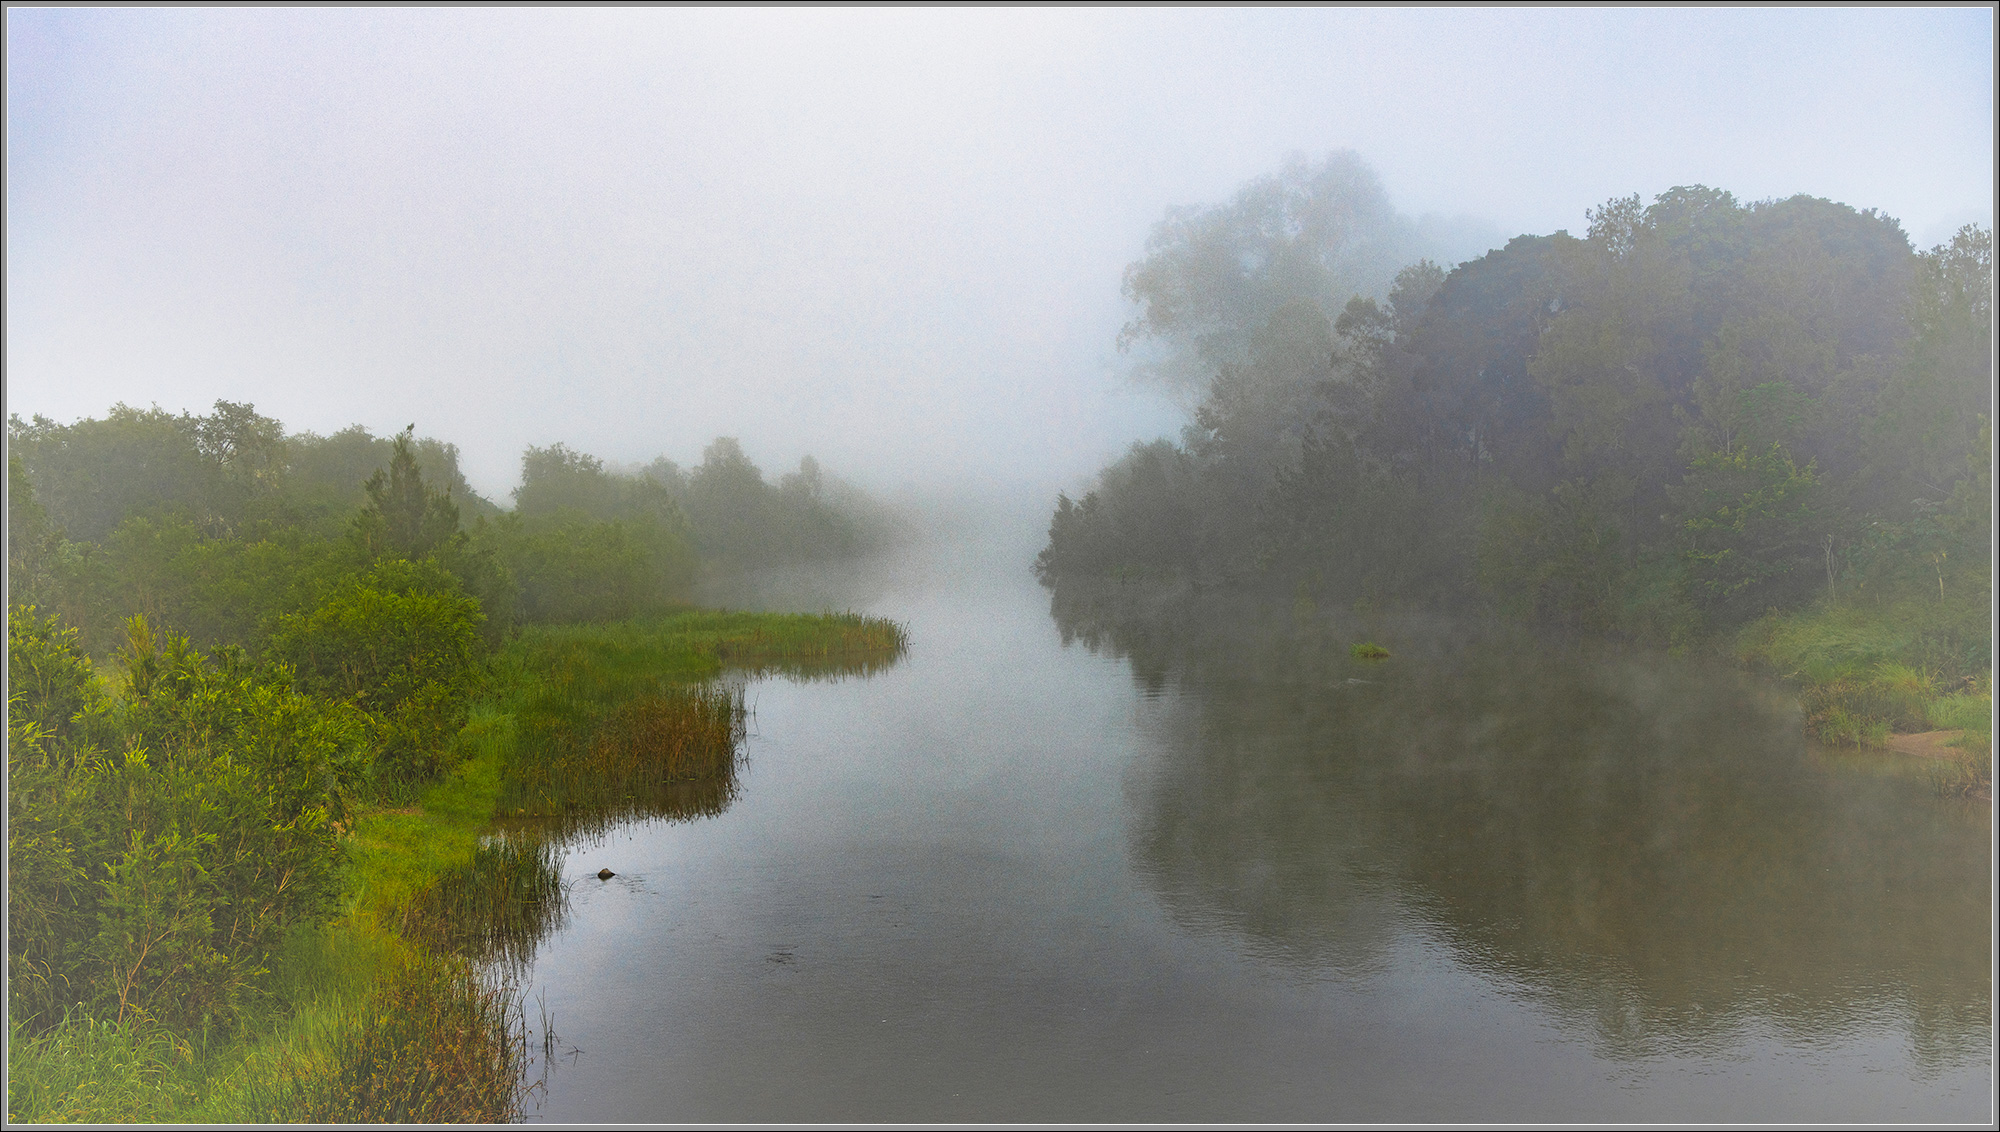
pixel 892 239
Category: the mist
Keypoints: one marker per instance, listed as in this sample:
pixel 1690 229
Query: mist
pixel 1131 565
pixel 893 240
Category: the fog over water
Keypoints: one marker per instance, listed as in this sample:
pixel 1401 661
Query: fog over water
pixel 891 239
pixel 1513 641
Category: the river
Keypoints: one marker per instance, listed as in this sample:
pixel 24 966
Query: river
pixel 1045 869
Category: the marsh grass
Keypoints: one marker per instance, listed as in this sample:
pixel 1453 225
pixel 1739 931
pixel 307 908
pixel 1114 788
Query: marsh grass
pixel 394 856
pixel 97 1071
pixel 830 644
pixel 1970 773
pixel 625 721
pixel 433 1042
pixel 497 907
pixel 1865 672
pixel 671 753
pixel 379 1032
pixel 605 741
pixel 1968 776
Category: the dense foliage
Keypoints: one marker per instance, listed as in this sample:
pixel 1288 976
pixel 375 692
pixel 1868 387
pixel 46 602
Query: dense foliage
pixel 227 646
pixel 220 525
pixel 1704 422
pixel 1700 412
pixel 160 842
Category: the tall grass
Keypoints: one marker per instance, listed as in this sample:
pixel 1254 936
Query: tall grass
pixel 829 644
pixel 611 729
pixel 624 721
pixel 98 1071
pixel 432 1043
pixel 669 753
pixel 1970 773
pixel 380 1033
pixel 497 907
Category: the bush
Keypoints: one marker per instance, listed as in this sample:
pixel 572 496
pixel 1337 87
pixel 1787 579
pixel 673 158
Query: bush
pixel 401 643
pixel 160 846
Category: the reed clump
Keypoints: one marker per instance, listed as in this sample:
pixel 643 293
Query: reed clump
pixel 671 753
pixel 497 907
pixel 816 645
pixel 682 733
pixel 627 721
pixel 1968 775
pixel 432 1043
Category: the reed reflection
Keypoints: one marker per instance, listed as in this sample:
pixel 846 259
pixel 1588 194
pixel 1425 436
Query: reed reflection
pixel 598 749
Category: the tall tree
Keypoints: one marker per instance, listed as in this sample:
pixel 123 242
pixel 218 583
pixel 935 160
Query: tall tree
pixel 403 515
pixel 1319 232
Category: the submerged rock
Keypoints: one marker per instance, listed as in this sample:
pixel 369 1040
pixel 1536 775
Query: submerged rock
pixel 605 874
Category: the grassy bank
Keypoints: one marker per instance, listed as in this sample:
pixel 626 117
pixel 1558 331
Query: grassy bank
pixel 401 1008
pixel 1867 672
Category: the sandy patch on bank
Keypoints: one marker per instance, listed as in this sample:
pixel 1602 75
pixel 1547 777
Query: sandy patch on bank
pixel 1928 744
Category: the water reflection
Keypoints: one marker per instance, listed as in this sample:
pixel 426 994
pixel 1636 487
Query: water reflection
pixel 1645 845
pixel 496 908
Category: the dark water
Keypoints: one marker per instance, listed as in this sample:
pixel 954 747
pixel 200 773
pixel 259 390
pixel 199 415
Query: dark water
pixel 1233 874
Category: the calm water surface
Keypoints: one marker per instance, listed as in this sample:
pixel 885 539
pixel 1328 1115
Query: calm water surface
pixel 1122 878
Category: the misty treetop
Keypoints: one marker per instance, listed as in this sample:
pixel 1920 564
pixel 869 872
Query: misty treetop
pixel 1701 410
pixel 222 471
pixel 1314 232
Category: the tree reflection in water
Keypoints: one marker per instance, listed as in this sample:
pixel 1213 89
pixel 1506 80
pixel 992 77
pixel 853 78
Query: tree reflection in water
pixel 1646 845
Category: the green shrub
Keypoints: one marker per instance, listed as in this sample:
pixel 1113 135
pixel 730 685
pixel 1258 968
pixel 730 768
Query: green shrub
pixel 400 642
pixel 160 845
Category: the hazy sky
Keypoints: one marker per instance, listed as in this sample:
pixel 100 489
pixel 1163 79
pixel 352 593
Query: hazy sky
pixel 893 238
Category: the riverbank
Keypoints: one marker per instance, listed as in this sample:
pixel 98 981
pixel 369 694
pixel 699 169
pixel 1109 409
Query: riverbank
pixel 401 1009
pixel 1881 674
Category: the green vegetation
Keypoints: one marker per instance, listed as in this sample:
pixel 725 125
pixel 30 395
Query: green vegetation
pixel 274 863
pixel 431 1043
pixel 1703 422
pixel 161 842
pixel 1368 650
pixel 356 1002
pixel 221 525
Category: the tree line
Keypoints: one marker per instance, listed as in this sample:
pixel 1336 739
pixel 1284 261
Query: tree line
pixel 218 524
pixel 1701 412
